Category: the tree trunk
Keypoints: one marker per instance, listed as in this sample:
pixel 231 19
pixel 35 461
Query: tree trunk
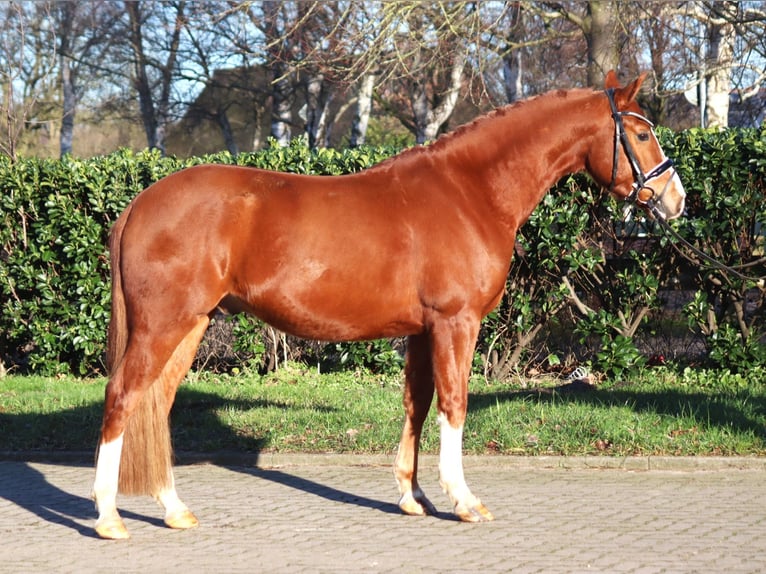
pixel 155 117
pixel 420 110
pixel 166 72
pixel 317 110
pixel 512 76
pixel 281 90
pixel 258 113
pixel 68 77
pixel 228 135
pixel 70 105
pixel 428 119
pixel 720 57
pixel 601 36
pixel 512 64
pixel 141 79
pixel 363 110
pixel 281 106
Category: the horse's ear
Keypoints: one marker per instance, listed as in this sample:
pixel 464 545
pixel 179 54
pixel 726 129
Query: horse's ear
pixel 630 91
pixel 611 82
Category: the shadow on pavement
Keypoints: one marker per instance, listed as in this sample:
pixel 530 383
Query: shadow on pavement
pixel 328 492
pixel 28 488
pixel 65 434
pixel 195 419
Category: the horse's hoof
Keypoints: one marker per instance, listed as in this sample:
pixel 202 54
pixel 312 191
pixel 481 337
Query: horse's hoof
pixel 182 520
pixel 416 505
pixel 475 513
pixel 112 529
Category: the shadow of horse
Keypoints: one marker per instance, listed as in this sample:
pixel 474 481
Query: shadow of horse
pixel 195 419
pixel 27 487
pixel 321 490
pixel 241 454
pixel 61 436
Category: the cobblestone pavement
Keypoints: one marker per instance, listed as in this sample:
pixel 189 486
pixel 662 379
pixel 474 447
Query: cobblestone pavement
pixel 314 514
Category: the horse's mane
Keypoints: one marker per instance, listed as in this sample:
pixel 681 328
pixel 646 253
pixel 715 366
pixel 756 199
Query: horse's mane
pixel 446 140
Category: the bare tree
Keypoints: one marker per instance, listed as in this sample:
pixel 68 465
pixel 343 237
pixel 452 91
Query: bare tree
pixel 512 60
pixel 423 50
pixel 413 61
pixel 67 12
pixel 430 108
pixel 718 62
pixel 536 47
pixel 278 49
pixel 319 30
pixel 254 37
pixel 734 58
pixel 205 56
pixel 86 33
pixel 600 27
pixel 27 73
pixel 599 22
pixel 152 78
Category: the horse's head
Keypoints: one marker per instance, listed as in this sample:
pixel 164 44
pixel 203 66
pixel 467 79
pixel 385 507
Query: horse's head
pixel 628 158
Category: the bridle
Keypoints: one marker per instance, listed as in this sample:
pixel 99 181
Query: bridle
pixel 641 183
pixel 641 180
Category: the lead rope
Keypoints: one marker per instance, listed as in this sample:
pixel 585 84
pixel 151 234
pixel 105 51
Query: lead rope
pixel 732 269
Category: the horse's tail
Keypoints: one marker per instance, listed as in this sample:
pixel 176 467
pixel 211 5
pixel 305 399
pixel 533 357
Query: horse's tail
pixel 117 339
pixel 145 464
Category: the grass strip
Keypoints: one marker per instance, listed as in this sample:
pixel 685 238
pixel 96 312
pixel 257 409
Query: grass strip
pixel 660 412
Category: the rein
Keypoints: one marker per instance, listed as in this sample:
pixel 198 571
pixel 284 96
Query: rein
pixel 640 184
pixel 714 263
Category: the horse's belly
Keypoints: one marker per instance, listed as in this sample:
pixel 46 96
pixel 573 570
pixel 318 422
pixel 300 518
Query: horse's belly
pixel 334 315
pixel 347 325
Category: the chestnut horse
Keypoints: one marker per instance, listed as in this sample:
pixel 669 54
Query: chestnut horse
pixel 417 246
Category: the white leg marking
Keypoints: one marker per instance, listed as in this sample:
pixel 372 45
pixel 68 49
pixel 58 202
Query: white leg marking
pixel 107 476
pixel 109 523
pixel 169 500
pixel 451 461
pixel 467 507
pixel 177 514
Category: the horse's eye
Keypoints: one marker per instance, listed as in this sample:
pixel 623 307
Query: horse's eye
pixel 643 137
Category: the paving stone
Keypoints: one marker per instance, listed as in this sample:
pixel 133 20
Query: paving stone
pixel 324 514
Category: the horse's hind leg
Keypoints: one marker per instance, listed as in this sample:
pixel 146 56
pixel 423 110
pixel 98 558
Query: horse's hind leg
pixel 109 524
pixel 135 433
pixel 177 514
pixel 418 394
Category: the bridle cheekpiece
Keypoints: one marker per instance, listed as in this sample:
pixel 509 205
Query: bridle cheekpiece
pixel 641 180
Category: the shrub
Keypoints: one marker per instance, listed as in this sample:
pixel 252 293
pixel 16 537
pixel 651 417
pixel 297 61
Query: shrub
pixel 579 267
pixel 55 217
pixel 725 176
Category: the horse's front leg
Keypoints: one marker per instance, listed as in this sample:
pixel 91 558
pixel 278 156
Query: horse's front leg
pixel 453 342
pixel 418 394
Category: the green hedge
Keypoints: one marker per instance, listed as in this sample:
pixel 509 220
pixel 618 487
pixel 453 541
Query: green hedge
pixel 55 218
pixel 579 274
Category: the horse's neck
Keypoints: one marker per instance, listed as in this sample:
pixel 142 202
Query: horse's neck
pixel 554 127
pixel 529 147
pixel 507 160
